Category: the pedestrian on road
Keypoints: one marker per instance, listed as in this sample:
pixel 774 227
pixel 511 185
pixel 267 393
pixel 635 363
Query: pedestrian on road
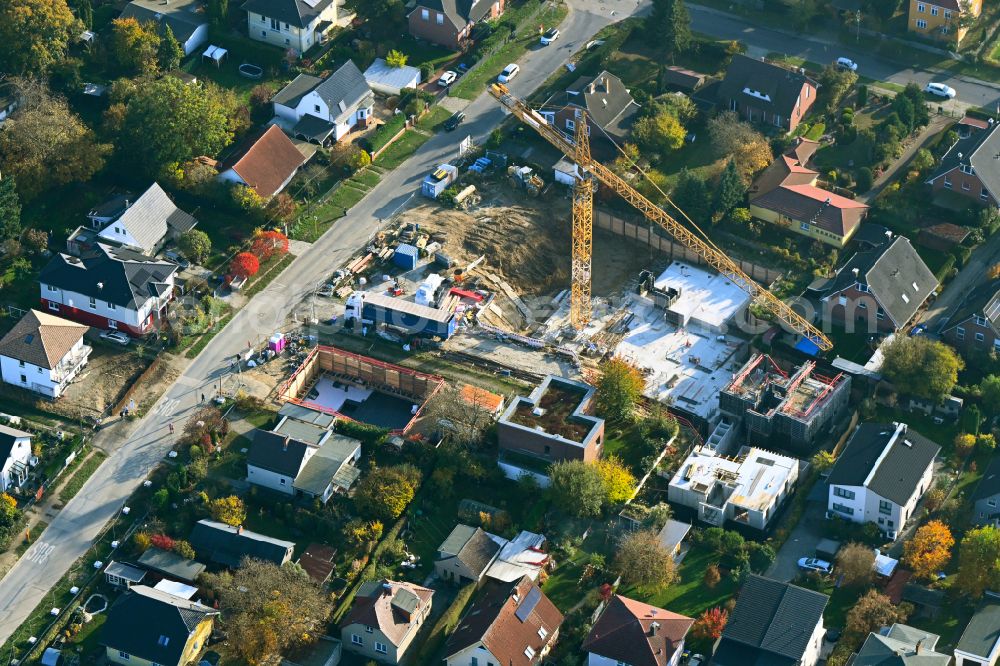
pixel 203 397
pixel 171 427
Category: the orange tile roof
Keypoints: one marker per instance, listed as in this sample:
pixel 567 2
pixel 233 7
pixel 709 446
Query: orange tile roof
pixel 268 162
pixel 488 400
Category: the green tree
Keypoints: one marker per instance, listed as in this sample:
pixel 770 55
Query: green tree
pixel 10 209
pixel 577 488
pixel 85 12
pixel 979 561
pixel 669 26
pixel 134 46
pixel 195 245
pixel 921 366
pixel 167 123
pixel 385 493
pixel 229 510
pixel 382 17
pixel 619 389
pixel 989 388
pixel 915 94
pixel 619 484
pixel 730 190
pixel 693 196
pixel 661 132
pixel 218 11
pixel 34 34
pixel 643 560
pixel 170 52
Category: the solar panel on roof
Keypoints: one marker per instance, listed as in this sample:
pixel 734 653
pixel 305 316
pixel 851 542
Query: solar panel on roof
pixel 993 309
pixel 528 605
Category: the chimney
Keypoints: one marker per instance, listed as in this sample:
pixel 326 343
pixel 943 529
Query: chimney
pixel 654 628
pixel 856 271
pixel 920 646
pixel 607 83
pixel 284 446
pixel 590 87
pixel 100 285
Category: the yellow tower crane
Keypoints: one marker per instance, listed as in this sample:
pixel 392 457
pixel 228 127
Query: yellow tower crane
pixel 578 150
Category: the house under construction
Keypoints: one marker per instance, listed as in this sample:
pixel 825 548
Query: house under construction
pixel 788 410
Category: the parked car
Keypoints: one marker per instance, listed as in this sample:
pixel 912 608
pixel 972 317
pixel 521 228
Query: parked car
pixel 847 64
pixel 813 564
pixel 447 78
pixel 940 90
pixel 696 660
pixel 116 337
pixel 177 258
pixel 832 635
pixel 550 36
pixel 454 121
pixel 508 73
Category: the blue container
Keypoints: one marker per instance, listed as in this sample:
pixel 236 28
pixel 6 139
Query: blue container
pixel 406 256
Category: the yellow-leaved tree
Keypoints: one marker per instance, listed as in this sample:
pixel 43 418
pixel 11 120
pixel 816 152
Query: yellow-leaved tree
pixel 229 510
pixel 619 483
pixel 929 550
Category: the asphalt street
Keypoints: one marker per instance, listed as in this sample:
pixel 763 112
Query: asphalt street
pixel 133 455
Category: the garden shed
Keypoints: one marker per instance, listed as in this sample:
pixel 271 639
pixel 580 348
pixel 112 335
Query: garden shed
pixel 388 80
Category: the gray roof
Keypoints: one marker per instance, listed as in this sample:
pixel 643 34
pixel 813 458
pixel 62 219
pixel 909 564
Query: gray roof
pixel 152 625
pixel 228 545
pixel 123 277
pixel 345 90
pixel 183 16
pixel 152 217
pixel 299 87
pixel 890 272
pixel 276 453
pixel 989 485
pixel 302 431
pixel 126 571
pixel 673 533
pixel 472 546
pixel 7 438
pixel 459 12
pixel 923 596
pixel 982 301
pixel 171 564
pixel 978 150
pixel 610 105
pixel 380 72
pixel 782 86
pixel 301 413
pixel 313 128
pixel 299 13
pixel 776 618
pixel 330 464
pixel 898 648
pixel 896 473
pixel 983 630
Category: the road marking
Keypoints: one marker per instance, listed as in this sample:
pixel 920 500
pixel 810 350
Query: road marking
pixel 167 407
pixel 39 553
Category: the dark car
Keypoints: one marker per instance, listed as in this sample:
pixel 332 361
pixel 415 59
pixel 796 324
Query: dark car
pixel 454 121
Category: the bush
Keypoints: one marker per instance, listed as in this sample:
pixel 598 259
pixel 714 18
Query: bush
pixel 381 136
pixel 862 95
pixel 863 180
pixel 446 624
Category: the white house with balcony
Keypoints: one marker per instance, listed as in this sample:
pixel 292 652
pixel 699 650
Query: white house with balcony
pixel 43 353
pixel 15 457
pixel 883 472
pixel 294 24
pixel 109 288
pixel 324 110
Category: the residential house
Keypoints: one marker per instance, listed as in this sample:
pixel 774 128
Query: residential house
pixel 553 423
pixel 765 93
pixel 986 497
pixel 384 619
pixel 772 623
pixel 900 645
pixel 300 458
pixel 610 109
pixel 227 545
pixel 144 224
pixel 631 632
pixel 15 457
pixel 786 194
pixel 881 475
pixel 324 110
pixel 267 163
pixel 43 353
pixel 123 575
pixel 187 19
pixel 942 19
pixel 388 80
pixel 465 555
pixel 507 625
pixel 148 626
pixel 881 288
pixel 450 22
pixel 975 325
pixel 970 167
pixel 293 24
pixel 111 288
pixel 747 489
pixel 980 641
pixel 681 79
pixel 169 565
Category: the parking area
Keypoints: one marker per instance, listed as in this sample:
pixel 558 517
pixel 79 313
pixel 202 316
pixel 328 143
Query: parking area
pixel 801 543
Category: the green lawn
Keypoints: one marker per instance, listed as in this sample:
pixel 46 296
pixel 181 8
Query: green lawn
pixel 627 445
pixel 689 595
pixel 80 476
pixel 852 346
pixel 433 119
pixel 401 150
pixel 473 83
pixel 419 52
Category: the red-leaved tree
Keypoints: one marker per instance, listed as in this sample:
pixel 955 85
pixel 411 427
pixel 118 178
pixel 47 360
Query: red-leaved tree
pixel 711 623
pixel 267 244
pixel 244 265
pixel 162 541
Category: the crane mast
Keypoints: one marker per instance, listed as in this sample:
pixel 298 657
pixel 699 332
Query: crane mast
pixel 583 235
pixel 579 151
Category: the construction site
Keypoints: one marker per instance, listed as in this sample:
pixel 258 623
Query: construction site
pixel 789 409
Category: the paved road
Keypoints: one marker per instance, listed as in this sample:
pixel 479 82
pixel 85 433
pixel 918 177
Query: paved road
pixel 762 40
pixel 937 313
pixel 135 453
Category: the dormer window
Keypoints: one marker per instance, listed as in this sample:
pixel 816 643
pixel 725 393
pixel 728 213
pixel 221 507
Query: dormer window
pixel 863 288
pixel 163 641
pixel 967 169
pixel 757 94
pixel 980 321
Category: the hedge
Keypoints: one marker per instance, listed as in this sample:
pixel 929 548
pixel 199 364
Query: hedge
pixel 446 624
pixel 381 136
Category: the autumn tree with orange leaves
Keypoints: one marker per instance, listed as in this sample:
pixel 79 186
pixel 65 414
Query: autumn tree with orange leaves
pixel 929 550
pixel 710 623
pixel 267 244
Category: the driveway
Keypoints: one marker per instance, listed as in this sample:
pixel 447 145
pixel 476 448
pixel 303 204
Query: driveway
pixel 801 542
pixel 937 313
pixel 139 446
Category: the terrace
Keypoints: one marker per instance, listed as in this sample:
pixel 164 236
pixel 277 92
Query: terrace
pixel 554 412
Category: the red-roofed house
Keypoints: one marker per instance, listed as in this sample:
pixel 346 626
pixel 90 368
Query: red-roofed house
pixel 631 632
pixel 267 164
pixel 786 194
pixel 384 619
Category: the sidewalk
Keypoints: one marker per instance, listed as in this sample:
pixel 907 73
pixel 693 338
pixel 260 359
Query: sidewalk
pixel 936 124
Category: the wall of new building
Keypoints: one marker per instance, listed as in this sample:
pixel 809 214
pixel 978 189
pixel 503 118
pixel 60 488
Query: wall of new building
pixel 50 383
pixel 260 27
pixel 811 656
pixel 866 504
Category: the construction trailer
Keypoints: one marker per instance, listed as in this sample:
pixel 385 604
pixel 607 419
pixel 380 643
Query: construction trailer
pixel 406 316
pixel 406 256
pixel 438 180
pixel 782 409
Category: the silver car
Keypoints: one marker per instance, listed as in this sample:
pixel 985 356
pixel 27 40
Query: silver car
pixel 813 564
pixel 941 90
pixel 117 337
